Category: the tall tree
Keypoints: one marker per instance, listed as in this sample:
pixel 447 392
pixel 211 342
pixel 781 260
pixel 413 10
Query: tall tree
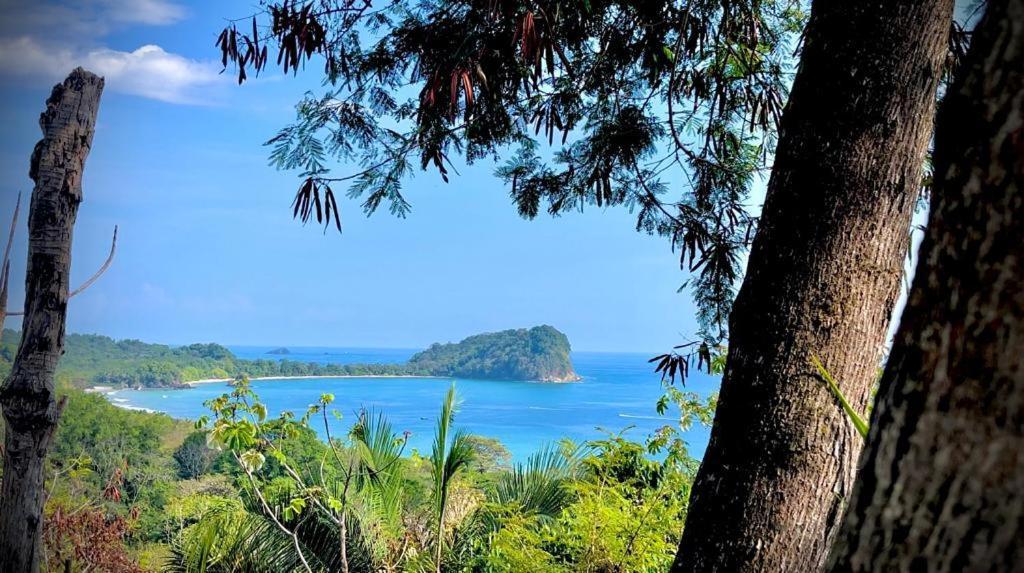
pixel 30 408
pixel 942 476
pixel 654 93
pixel 823 276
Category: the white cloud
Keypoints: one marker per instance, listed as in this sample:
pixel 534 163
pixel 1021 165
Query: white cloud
pixel 148 71
pixel 44 40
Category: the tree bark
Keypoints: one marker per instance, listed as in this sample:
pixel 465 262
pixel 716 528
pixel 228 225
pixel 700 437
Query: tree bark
pixel 942 479
pixel 30 408
pixel 823 276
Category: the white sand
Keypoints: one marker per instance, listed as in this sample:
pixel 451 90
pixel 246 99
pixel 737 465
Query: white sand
pixel 225 380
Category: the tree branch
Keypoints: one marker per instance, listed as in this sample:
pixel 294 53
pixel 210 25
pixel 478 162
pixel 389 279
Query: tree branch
pixel 5 265
pixel 88 283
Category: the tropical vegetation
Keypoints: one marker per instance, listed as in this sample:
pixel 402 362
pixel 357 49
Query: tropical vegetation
pixel 673 109
pixel 240 491
pixel 538 353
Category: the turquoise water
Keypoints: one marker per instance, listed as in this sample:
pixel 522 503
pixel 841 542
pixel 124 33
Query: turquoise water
pixel 618 392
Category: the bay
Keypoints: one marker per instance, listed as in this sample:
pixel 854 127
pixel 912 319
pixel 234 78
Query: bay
pixel 618 393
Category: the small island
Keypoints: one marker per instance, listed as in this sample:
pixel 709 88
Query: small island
pixel 538 354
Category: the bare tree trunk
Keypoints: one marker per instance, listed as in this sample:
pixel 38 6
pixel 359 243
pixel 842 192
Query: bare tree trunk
pixel 30 409
pixel 823 276
pixel 942 479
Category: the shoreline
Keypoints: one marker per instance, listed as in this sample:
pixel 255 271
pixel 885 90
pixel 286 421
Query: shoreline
pixel 306 377
pixel 105 389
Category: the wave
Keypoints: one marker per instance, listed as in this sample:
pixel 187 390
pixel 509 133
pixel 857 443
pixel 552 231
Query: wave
pixel 137 408
pixel 543 408
pixel 641 417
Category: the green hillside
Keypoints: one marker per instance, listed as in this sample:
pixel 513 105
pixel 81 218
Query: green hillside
pixel 540 353
pixel 91 359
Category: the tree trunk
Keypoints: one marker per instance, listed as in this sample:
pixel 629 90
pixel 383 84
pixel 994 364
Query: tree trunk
pixel 823 276
pixel 942 478
pixel 30 409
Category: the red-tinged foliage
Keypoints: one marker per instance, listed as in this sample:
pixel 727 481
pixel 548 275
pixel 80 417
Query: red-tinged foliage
pixel 112 489
pixel 88 538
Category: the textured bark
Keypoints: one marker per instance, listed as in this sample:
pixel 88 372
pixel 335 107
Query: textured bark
pixel 823 276
pixel 942 480
pixel 30 409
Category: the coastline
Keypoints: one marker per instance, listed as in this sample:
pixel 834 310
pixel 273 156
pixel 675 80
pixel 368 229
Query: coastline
pixel 568 380
pixel 308 377
pixel 104 389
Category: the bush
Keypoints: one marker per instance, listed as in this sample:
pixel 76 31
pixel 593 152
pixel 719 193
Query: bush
pixel 194 457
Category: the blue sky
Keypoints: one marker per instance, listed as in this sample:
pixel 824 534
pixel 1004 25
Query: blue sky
pixel 208 250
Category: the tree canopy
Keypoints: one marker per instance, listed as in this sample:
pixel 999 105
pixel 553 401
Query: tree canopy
pixel 668 108
pixel 538 353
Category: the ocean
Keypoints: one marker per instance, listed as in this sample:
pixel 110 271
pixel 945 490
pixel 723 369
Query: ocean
pixel 618 393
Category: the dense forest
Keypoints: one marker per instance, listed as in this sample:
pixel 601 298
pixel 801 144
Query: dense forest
pixel 540 353
pixel 91 360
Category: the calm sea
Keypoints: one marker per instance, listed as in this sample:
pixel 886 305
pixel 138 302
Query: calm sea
pixel 618 393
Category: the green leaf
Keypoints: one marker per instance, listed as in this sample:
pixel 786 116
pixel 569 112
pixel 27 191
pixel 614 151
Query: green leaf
pixel 858 422
pixel 237 436
pixel 296 506
pixel 253 460
pixel 260 411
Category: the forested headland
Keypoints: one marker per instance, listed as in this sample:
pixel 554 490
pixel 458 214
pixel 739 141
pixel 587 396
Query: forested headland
pixel 539 353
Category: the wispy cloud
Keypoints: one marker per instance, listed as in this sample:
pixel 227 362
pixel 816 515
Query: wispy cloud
pixel 77 20
pixel 148 71
pixel 31 49
pixel 152 12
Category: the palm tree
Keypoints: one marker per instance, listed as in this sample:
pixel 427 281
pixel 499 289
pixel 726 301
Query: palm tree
pixel 447 460
pixel 380 480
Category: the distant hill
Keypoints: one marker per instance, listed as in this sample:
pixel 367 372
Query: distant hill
pixel 91 359
pixel 279 351
pixel 539 353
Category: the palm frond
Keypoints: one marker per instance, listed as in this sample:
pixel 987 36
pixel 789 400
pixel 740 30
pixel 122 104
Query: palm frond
pixel 379 451
pixel 439 451
pixel 229 538
pixel 376 443
pixel 538 486
pixel 447 459
pixel 460 455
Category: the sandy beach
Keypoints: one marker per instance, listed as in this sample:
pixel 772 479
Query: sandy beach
pixel 216 380
pixel 112 389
